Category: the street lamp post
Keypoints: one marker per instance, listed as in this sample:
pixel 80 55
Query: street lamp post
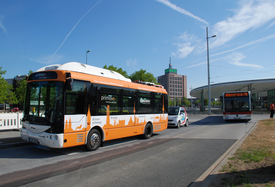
pixel 208 69
pixel 87 55
pixel 191 99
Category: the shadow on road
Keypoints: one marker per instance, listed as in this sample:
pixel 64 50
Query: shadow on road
pixel 257 176
pixel 215 120
pixel 34 151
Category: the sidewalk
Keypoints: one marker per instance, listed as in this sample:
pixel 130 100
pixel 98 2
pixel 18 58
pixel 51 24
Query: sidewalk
pixel 11 138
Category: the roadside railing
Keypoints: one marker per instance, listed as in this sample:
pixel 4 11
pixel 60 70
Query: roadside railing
pixel 9 121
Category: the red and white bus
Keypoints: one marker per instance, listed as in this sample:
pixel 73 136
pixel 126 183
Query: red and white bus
pixel 237 106
pixel 76 104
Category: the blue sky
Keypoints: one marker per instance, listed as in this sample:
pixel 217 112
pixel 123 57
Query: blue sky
pixel 142 34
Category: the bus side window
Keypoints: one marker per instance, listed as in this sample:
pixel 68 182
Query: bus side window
pixel 128 105
pixel 109 96
pixel 165 101
pixel 128 101
pixel 112 101
pixel 92 95
pixel 76 98
pixel 145 103
pixel 158 103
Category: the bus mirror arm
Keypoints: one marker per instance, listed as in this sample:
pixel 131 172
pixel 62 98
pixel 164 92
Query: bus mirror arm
pixel 69 84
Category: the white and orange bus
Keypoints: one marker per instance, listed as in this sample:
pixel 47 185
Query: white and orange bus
pixel 76 104
pixel 237 106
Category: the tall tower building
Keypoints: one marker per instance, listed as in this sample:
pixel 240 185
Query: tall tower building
pixel 175 85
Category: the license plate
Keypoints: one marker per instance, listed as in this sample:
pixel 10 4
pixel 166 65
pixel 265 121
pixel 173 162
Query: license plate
pixel 33 140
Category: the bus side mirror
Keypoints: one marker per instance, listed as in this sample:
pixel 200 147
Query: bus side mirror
pixel 69 84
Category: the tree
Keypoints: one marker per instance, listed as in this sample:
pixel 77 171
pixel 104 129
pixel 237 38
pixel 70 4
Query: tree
pixel 119 70
pixel 217 103
pixel 21 89
pixel 11 97
pixel 3 87
pixel 199 101
pixel 6 93
pixel 171 103
pixel 175 102
pixel 141 75
pixel 185 101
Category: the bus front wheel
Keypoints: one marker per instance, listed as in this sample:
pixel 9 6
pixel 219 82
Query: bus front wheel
pixel 94 140
pixel 148 131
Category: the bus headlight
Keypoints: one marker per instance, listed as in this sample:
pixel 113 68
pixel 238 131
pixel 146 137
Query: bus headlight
pixel 53 137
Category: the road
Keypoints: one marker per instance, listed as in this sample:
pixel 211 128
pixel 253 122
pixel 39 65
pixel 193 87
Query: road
pixel 174 157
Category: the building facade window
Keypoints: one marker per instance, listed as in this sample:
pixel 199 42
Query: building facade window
pixel 270 96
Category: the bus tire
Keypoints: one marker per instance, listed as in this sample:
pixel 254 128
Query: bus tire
pixel 148 131
pixel 94 140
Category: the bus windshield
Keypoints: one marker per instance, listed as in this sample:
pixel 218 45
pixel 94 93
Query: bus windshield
pixel 236 104
pixel 44 103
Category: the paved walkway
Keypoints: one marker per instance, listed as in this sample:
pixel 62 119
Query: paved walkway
pixel 10 138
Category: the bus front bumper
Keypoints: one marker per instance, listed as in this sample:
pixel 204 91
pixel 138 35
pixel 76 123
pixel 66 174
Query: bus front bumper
pixel 46 139
pixel 237 117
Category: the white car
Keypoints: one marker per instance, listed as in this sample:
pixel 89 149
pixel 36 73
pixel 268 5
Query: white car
pixel 177 117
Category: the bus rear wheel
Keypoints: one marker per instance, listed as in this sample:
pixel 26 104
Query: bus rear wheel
pixel 94 140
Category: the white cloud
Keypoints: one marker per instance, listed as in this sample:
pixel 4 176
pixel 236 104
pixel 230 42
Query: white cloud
pixel 251 15
pixel 195 65
pixel 273 23
pixel 184 49
pixel 131 62
pixel 2 26
pixel 236 58
pixel 186 43
pixel 248 44
pixel 212 60
pixel 181 10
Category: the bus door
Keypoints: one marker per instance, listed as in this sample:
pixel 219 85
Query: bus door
pixel 75 128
